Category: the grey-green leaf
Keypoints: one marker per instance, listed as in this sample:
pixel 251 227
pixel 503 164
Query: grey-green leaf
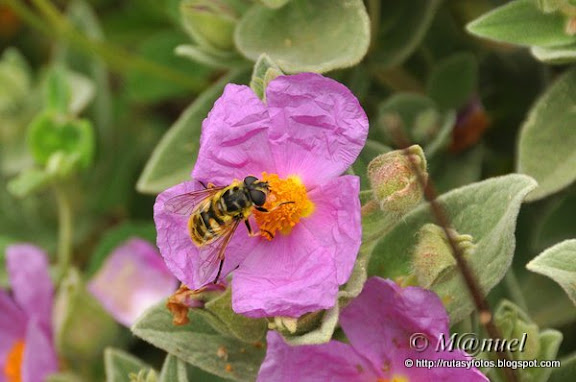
pixel 558 263
pixel 559 55
pixel 486 210
pixel 402 29
pixel 265 70
pixel 566 372
pixel 243 328
pixel 174 157
pixel 521 22
pixel 119 365
pixel 200 345
pixel 173 370
pixel 547 139
pixel 306 36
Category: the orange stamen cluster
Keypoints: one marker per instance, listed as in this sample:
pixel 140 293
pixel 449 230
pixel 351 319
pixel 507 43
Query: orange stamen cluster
pixel 13 365
pixel 282 218
pixel 395 378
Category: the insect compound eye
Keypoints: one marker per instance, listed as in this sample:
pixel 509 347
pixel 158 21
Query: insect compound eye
pixel 249 180
pixel 258 197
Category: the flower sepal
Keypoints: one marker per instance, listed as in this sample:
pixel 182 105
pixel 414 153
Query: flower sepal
pixel 532 342
pixel 433 261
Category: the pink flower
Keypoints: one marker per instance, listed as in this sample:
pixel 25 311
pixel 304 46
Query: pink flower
pixel 378 324
pixel 26 346
pixel 132 279
pixel 309 131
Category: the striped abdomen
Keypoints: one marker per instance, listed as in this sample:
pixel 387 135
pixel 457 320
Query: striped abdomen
pixel 214 216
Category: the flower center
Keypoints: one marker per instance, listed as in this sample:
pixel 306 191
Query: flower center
pixel 13 366
pixel 283 217
pixel 395 378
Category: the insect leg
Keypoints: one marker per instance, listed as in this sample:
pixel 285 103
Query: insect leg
pixel 210 185
pixel 259 233
pixel 219 271
pixel 262 209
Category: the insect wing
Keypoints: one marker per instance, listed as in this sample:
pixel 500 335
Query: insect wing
pixel 213 254
pixel 184 204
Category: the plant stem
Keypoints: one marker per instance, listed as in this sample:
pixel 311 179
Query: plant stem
pixel 65 229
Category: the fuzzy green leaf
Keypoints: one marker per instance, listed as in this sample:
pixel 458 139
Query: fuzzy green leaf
pixel 521 22
pixel 558 263
pixel 119 365
pixel 547 139
pixel 173 370
pixel 243 328
pixel 559 55
pixel 265 70
pixel 217 60
pixel 486 210
pixel 402 28
pixel 306 36
pixel 174 157
pixel 566 372
pixel 200 345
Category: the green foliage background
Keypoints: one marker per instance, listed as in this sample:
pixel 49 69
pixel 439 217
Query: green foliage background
pixel 101 105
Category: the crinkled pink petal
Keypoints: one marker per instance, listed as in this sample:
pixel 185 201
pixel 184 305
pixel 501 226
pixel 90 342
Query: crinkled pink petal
pixel 31 285
pixel 288 276
pixel 186 261
pixel 380 321
pixel 12 326
pixel 336 221
pixel 333 361
pixel 317 128
pixel 132 279
pixel 234 141
pixel 39 358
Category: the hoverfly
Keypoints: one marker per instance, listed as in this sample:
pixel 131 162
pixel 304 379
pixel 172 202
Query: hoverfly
pixel 215 213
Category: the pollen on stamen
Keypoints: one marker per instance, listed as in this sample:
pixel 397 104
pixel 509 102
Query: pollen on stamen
pixel 283 217
pixel 13 365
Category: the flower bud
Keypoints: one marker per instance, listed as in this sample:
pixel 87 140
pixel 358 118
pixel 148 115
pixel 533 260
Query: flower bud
pixel 394 183
pixel 184 299
pixel 291 326
pixel 210 22
pixel 433 260
pixel 144 376
pixel 513 324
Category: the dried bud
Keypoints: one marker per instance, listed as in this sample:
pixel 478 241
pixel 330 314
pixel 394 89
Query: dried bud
pixel 432 259
pixel 394 183
pixel 185 299
pixel 471 123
